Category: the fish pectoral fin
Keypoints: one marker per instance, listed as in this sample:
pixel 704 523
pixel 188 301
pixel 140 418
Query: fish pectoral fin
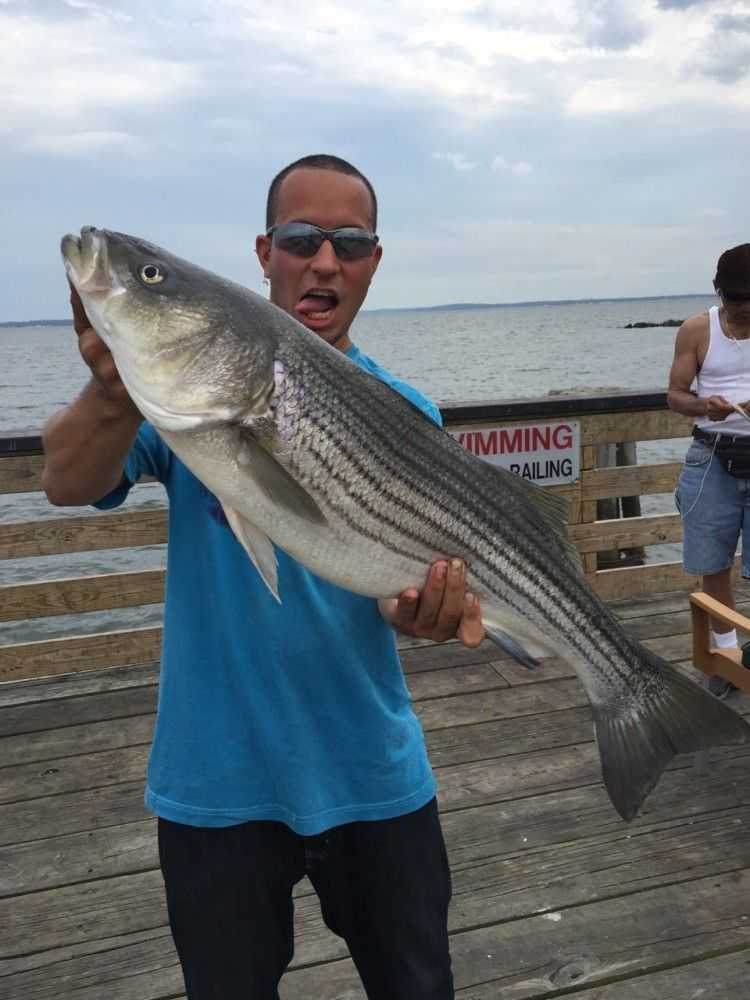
pixel 280 487
pixel 258 546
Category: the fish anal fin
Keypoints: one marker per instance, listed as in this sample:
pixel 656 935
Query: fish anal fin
pixel 258 546
pixel 503 640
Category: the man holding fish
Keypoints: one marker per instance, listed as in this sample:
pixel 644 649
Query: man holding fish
pixel 285 741
pixel 712 350
pixel 291 746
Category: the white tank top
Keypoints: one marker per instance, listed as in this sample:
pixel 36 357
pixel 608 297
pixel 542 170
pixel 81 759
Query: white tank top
pixel 725 372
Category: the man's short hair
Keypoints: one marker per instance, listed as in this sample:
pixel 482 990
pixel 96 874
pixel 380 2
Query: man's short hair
pixel 733 270
pixel 317 161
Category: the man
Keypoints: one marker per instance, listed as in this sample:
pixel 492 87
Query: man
pixel 713 349
pixel 285 741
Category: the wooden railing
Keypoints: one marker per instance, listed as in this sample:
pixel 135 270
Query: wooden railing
pixel 603 419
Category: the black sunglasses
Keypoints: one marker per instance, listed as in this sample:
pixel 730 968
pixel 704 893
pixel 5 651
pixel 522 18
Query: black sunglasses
pixel 303 239
pixel 734 296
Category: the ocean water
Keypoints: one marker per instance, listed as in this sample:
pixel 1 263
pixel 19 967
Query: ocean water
pixel 452 355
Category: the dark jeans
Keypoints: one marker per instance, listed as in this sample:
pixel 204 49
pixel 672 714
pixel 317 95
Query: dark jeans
pixel 383 886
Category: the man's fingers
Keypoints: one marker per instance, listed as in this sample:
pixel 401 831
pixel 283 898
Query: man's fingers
pixel 471 630
pixel 81 321
pixel 431 599
pixel 97 356
pixel 93 349
pixel 445 624
pixel 403 615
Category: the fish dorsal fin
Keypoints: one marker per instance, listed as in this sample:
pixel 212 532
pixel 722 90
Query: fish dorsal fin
pixel 258 546
pixel 283 491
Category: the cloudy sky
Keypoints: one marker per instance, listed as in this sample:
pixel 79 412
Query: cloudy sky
pixel 521 151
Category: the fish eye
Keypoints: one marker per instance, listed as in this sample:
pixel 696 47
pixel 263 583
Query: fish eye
pixel 152 274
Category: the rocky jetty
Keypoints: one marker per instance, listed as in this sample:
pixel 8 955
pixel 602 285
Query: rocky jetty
pixel 647 326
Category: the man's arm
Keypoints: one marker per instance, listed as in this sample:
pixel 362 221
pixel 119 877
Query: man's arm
pixel 86 443
pixel 692 338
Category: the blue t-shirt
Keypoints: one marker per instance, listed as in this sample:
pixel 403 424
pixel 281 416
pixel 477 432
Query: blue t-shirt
pixel 296 712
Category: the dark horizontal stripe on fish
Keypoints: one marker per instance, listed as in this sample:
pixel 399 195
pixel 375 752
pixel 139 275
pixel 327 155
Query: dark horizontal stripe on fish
pixel 417 461
pixel 524 584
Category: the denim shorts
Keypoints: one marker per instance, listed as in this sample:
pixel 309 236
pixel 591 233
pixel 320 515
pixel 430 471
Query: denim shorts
pixel 715 511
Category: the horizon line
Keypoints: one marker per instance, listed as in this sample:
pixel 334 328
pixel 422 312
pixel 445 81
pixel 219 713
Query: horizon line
pixel 447 305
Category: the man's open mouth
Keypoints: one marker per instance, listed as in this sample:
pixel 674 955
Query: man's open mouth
pixel 318 303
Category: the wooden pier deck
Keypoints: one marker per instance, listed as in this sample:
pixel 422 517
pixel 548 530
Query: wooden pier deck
pixel 553 894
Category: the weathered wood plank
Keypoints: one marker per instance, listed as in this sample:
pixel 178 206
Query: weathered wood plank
pixel 21 474
pixel 530 699
pixel 34 819
pixel 74 740
pixel 24 782
pixel 137 966
pixel 37 690
pixel 432 656
pixel 629 581
pixel 457 680
pixel 648 425
pixel 54 713
pixel 56 536
pixel 723 977
pixel 629 480
pixel 627 532
pixel 542 955
pixel 78 595
pixel 87 652
pixel 86 856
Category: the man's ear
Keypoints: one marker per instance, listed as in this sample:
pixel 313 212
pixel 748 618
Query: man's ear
pixel 263 250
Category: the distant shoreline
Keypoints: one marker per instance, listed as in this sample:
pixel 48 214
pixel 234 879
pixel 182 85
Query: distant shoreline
pixel 38 322
pixel 541 302
pixel 450 306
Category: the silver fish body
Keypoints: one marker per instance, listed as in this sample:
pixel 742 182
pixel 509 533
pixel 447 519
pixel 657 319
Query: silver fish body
pixel 306 450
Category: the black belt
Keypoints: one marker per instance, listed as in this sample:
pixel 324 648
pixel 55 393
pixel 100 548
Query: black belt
pixel 722 440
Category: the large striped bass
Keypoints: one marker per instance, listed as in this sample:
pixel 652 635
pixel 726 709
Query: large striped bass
pixel 307 451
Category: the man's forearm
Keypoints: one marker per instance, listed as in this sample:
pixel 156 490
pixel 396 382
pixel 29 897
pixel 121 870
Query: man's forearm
pixel 687 403
pixel 86 445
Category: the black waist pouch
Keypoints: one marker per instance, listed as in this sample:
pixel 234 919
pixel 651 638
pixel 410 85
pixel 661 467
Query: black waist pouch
pixel 733 451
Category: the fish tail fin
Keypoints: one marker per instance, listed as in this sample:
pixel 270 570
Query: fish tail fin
pixel 637 741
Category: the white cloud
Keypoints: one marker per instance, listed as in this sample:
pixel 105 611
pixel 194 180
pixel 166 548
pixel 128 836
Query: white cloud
pixel 457 160
pixel 179 113
pixel 612 24
pixel 82 72
pixel 521 168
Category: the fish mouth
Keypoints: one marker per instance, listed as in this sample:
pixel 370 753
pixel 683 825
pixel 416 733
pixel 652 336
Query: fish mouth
pixel 86 261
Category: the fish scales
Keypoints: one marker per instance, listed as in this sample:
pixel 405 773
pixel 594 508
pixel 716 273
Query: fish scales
pixel 405 488
pixel 304 449
pixel 364 458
